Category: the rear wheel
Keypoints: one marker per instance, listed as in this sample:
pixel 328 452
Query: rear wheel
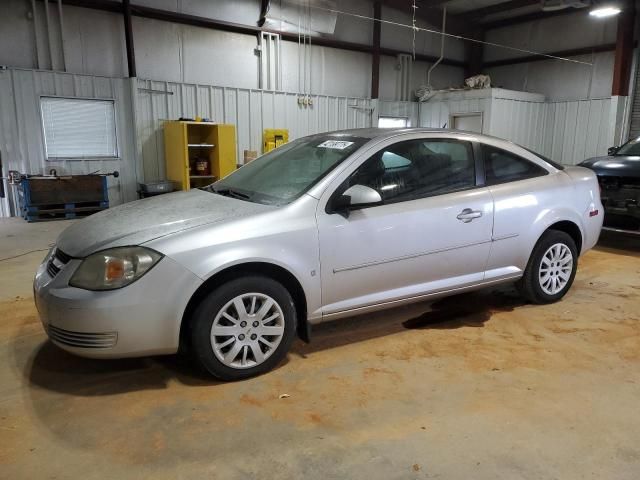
pixel 551 269
pixel 243 328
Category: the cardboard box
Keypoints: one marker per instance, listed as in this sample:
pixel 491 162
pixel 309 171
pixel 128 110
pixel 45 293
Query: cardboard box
pixel 250 155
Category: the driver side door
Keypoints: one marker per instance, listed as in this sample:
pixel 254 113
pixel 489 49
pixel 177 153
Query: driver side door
pixel 432 232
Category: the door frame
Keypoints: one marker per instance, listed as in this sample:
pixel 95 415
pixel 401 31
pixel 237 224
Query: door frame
pixel 453 116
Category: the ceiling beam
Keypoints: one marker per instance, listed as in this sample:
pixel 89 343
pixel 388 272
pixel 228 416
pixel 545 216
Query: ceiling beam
pixel 431 3
pixel 104 5
pixel 608 47
pixel 479 13
pixel 531 17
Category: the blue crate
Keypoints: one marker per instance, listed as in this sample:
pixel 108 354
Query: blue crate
pixel 34 212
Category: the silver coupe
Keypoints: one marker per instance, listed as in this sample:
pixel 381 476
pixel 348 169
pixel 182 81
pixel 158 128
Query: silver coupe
pixel 324 227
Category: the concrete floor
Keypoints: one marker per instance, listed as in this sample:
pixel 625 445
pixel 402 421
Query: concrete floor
pixel 478 386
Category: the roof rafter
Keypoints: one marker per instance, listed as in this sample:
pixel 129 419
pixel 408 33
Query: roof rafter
pixel 480 13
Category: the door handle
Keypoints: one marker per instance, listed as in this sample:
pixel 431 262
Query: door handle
pixel 468 215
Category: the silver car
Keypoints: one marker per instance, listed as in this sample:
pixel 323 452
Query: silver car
pixel 321 228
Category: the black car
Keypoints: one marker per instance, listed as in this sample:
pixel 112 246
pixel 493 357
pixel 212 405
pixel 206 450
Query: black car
pixel 619 178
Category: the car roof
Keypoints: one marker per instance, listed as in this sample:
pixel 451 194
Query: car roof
pixel 381 133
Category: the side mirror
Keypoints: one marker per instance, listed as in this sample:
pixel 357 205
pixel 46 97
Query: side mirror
pixel 356 196
pixel 612 150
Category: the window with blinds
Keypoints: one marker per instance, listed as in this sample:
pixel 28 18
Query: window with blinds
pixel 79 128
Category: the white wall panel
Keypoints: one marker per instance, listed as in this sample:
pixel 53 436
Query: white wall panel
pixel 332 71
pixel 559 80
pixel 401 37
pixel 94 45
pixel 251 111
pixel 17 32
pixel 566 131
pixel 21 135
pixel 556 79
pixel 580 129
pixel 563 32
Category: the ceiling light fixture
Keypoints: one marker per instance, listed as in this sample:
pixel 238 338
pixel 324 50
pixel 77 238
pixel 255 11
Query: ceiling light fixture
pixel 605 11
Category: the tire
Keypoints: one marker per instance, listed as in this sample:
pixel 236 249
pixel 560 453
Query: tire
pixel 243 345
pixel 556 253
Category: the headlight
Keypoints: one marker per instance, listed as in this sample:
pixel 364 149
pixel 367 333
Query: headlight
pixel 114 268
pixel 49 254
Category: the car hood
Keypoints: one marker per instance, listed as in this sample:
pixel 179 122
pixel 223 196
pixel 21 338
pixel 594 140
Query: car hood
pixel 618 165
pixel 144 220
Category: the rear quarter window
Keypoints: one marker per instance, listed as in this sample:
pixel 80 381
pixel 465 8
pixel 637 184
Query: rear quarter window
pixel 501 166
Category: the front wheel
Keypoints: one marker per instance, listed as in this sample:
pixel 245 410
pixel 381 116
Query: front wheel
pixel 551 269
pixel 243 328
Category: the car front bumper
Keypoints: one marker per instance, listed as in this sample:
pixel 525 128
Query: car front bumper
pixel 137 320
pixel 621 200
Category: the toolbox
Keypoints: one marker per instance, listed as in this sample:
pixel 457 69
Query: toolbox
pixel 152 189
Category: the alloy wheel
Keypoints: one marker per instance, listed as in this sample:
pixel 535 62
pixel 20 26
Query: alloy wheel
pixel 247 330
pixel 555 269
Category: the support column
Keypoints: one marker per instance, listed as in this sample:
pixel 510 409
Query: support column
pixel 473 54
pixel 128 37
pixel 375 65
pixel 624 51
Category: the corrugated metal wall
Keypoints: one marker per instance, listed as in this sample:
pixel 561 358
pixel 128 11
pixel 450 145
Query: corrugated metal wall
pixel 522 122
pixel 251 111
pixel 565 131
pixel 568 132
pixel 634 121
pixel 21 135
pixel 578 130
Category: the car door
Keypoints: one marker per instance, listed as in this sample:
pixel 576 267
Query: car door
pixel 432 231
pixel 521 190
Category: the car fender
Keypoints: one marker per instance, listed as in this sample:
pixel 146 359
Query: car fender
pixel 548 218
pixel 276 238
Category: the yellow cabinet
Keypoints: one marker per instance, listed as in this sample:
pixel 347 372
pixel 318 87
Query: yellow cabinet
pixel 272 138
pixel 198 153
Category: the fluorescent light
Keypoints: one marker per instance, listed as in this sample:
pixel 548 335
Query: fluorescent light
pixel 602 12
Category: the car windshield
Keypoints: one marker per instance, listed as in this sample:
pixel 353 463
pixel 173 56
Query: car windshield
pixel 632 147
pixel 284 174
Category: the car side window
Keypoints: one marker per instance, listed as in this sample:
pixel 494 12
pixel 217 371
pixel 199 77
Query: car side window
pixel 501 166
pixel 418 168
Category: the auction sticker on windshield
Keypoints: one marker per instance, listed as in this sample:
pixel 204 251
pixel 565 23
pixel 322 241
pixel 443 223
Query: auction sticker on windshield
pixel 336 144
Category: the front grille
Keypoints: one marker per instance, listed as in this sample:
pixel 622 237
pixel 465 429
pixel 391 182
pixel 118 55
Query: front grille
pixel 52 270
pixel 58 260
pixel 82 339
pixel 63 257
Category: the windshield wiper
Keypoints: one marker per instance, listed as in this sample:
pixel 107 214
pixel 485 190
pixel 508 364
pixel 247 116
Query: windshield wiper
pixel 227 192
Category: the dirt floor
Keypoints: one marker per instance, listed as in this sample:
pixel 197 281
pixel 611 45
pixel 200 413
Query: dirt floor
pixel 477 386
